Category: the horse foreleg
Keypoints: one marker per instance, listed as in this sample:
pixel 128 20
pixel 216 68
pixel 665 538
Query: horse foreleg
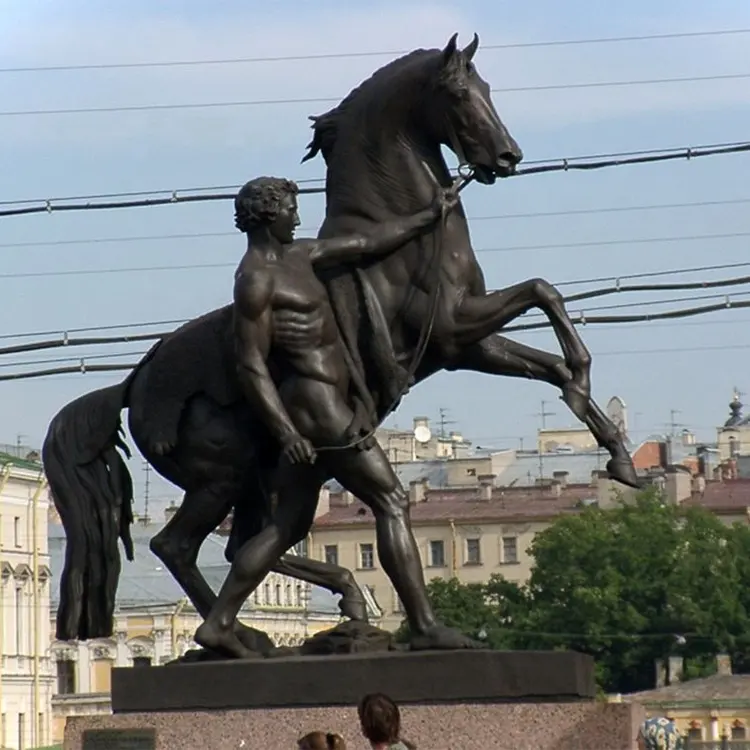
pixel 479 315
pixel 497 355
pixel 336 579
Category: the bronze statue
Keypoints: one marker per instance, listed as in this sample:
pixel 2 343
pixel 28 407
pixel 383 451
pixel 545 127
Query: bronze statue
pixel 293 371
pixel 402 317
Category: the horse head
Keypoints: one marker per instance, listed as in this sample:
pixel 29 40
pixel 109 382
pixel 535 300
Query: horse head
pixel 464 117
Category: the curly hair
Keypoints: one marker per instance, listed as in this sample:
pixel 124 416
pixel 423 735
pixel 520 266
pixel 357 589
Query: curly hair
pixel 257 202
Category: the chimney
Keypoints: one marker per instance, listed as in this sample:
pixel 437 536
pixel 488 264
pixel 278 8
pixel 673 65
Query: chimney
pixel 723 665
pixel 561 477
pixel 486 483
pixel 324 502
pixel 341 499
pixel 416 491
pixel 676 665
pixel 678 484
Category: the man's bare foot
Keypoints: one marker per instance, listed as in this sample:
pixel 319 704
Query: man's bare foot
pixel 441 637
pixel 223 641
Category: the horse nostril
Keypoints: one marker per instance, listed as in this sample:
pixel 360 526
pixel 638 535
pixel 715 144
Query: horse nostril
pixel 510 157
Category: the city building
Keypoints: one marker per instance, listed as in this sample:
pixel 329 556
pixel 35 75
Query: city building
pixel 705 709
pixel 26 677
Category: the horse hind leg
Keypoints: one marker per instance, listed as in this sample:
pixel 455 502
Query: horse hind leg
pixel 177 546
pixel 336 579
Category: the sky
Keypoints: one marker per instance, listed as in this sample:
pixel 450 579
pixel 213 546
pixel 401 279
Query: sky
pixel 678 371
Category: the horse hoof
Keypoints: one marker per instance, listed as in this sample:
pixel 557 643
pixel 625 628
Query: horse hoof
pixel 623 471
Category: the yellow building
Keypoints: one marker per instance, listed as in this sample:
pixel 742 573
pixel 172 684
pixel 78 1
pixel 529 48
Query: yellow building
pixel 154 624
pixel 26 677
pixel 703 709
pixel 474 531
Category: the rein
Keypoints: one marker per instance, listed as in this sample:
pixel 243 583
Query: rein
pixel 465 176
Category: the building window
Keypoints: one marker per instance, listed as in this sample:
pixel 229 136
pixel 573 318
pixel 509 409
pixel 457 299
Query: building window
pixel 141 661
pixel 473 553
pixel 17 531
pixel 278 595
pixel 66 676
pixel 739 733
pixel 510 549
pixel 366 556
pixel 20 621
pixel 40 730
pixel 300 599
pixel 331 554
pixel 437 554
pixel 695 733
pixel 21 731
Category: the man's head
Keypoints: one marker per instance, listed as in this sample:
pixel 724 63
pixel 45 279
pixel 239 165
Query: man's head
pixel 380 719
pixel 269 202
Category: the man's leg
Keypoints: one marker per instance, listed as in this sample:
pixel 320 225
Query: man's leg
pixel 298 488
pixel 369 475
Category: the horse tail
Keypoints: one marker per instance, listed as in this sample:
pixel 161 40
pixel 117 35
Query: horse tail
pixel 92 491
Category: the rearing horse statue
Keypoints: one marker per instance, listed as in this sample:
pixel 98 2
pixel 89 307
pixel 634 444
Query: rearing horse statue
pixel 423 309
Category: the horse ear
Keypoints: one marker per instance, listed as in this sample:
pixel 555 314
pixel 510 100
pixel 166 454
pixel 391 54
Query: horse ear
pixel 449 53
pixel 471 49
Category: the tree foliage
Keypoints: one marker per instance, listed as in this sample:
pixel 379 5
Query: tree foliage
pixel 629 585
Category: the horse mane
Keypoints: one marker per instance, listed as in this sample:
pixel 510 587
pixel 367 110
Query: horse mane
pixel 326 127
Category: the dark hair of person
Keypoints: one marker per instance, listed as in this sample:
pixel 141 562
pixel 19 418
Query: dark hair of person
pixel 257 202
pixel 380 719
pixel 321 741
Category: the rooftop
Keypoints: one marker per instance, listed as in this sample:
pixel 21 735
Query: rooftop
pixel 716 688
pixel 466 504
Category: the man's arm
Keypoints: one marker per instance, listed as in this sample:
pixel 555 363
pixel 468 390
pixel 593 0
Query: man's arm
pixel 252 327
pixel 385 238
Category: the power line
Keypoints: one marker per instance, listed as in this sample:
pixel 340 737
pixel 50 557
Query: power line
pixel 378 53
pixel 649 156
pixel 84 368
pixel 489 217
pixel 65 333
pixel 565 162
pixel 333 100
pixel 508 249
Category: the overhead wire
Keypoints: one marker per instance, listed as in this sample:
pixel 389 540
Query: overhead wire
pixel 471 219
pixel 372 53
pixel 334 99
pixel 565 164
pixel 481 250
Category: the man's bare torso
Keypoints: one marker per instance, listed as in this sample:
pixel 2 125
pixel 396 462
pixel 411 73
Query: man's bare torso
pixel 303 339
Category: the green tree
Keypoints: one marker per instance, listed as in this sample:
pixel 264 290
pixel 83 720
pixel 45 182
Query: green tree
pixel 628 584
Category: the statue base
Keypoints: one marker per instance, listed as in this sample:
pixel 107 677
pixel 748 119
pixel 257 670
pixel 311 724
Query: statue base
pixel 467 725
pixel 340 680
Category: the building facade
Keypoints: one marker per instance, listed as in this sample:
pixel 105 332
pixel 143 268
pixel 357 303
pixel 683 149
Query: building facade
pixel 26 676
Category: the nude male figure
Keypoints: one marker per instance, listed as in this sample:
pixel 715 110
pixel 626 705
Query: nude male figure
pixel 292 369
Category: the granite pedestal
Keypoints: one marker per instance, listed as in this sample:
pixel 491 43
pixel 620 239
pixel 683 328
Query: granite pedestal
pixel 471 700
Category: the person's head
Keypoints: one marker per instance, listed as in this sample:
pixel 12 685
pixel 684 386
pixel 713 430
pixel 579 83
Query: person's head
pixel 658 734
pixel 321 741
pixel 269 202
pixel 380 719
